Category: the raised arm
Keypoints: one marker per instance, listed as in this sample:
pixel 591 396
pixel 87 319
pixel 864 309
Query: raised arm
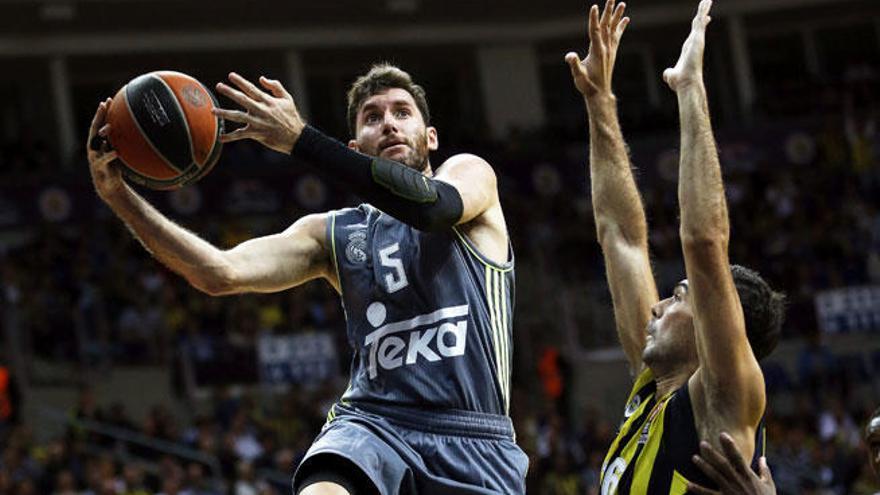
pixel 618 210
pixel 271 118
pixel 728 387
pixel 266 264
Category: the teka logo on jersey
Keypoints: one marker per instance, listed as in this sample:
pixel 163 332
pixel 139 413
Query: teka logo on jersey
pixel 445 336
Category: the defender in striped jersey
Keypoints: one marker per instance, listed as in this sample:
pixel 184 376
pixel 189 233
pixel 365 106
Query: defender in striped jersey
pixel 425 271
pixel 695 354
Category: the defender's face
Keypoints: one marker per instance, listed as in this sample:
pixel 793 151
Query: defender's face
pixel 390 125
pixel 670 336
pixel 872 438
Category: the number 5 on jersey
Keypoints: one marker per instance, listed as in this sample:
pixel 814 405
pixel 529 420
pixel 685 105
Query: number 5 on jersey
pixel 395 280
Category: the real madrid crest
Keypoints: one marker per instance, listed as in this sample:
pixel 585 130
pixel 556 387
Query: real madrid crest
pixel 356 249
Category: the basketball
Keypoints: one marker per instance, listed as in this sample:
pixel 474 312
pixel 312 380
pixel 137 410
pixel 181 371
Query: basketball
pixel 163 131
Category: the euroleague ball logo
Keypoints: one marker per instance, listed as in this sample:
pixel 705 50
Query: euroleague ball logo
pixel 193 95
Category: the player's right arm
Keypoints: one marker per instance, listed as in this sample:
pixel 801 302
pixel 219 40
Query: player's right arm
pixel 617 206
pixel 265 264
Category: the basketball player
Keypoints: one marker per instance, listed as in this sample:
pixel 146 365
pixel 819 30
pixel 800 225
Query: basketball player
pixel 695 354
pixel 425 273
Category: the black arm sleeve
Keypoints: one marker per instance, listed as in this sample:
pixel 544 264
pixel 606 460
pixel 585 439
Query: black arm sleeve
pixel 406 194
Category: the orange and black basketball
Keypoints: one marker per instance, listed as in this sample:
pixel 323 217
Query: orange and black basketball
pixel 163 131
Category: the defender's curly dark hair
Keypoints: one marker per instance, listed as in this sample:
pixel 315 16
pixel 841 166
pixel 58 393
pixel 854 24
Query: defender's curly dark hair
pixel 763 308
pixel 383 77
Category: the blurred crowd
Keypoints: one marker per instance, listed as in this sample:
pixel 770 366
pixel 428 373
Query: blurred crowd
pixel 248 445
pixel 237 448
pixel 804 199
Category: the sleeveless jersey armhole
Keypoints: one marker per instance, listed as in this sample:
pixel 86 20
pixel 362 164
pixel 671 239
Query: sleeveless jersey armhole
pixel 479 256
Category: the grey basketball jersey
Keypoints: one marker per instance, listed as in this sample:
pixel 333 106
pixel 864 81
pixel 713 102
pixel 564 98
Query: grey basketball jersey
pixel 429 318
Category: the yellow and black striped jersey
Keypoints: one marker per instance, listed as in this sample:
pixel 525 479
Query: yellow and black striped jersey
pixel 651 454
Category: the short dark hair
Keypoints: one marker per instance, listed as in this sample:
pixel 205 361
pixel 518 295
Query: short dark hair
pixel 763 308
pixel 381 78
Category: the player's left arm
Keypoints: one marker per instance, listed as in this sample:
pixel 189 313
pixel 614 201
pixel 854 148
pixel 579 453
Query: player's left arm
pixel 270 117
pixel 728 388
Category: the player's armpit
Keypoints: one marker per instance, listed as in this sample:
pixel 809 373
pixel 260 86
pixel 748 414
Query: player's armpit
pixel 281 261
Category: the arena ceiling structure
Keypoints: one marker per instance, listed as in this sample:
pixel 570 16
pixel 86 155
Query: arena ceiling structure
pixel 486 54
pixel 35 27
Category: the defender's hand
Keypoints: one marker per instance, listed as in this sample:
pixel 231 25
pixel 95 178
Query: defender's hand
pixel 270 118
pixel 106 176
pixel 592 75
pixel 731 472
pixel 689 68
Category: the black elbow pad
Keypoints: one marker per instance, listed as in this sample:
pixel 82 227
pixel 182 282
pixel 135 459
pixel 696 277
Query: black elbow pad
pixel 404 181
pixel 445 212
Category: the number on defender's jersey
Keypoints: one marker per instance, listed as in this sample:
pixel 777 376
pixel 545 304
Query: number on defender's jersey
pixel 393 281
pixel 612 475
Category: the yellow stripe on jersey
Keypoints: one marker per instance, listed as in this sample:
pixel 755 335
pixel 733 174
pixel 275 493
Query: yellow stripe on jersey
pixel 502 340
pixel 497 301
pixel 491 302
pixel 506 339
pixel 644 378
pixel 645 464
pixel 679 484
pixel 496 297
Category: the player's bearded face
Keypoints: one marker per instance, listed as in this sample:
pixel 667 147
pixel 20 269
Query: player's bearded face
pixel 670 334
pixel 413 152
pixel 390 125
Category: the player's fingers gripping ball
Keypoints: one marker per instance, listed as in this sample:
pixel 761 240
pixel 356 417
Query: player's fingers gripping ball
pixel 163 130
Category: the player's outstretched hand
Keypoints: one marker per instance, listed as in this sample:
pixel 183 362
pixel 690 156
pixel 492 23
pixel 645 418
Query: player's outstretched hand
pixel 268 117
pixel 689 69
pixel 106 177
pixel 730 471
pixel 592 75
